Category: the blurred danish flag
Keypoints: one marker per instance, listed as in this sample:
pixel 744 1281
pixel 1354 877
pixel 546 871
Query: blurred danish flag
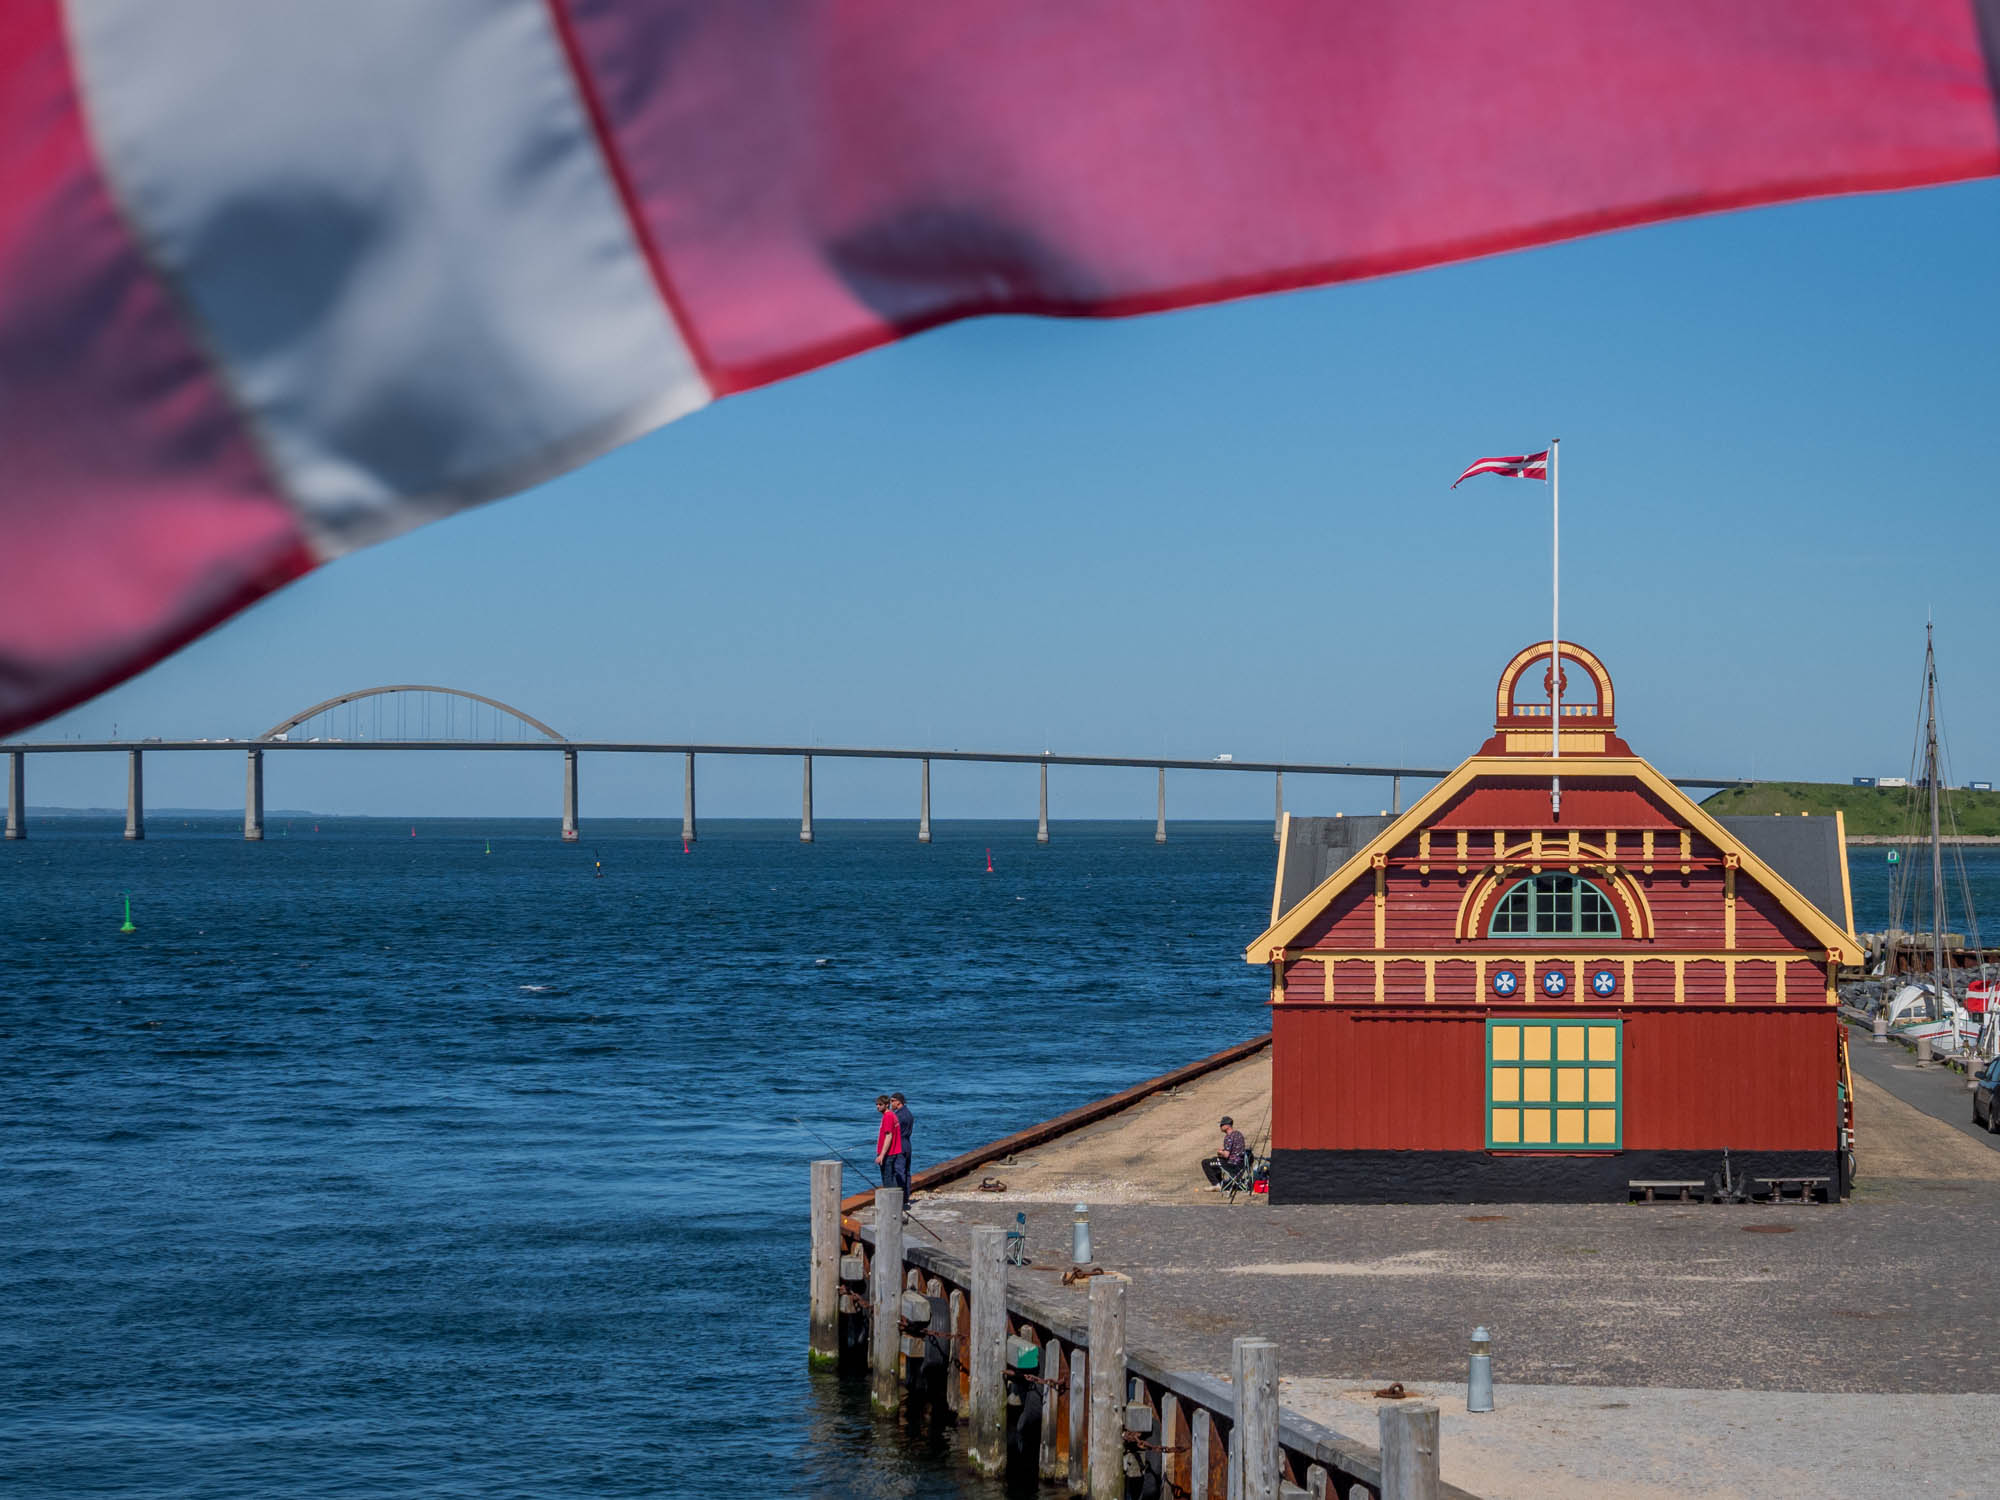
pixel 279 281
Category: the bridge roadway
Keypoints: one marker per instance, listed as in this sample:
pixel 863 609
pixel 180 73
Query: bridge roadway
pixel 254 749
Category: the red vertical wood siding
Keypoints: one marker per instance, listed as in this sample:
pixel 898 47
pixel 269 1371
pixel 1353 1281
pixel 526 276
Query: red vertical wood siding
pixel 1393 1079
pixel 1761 1079
pixel 1385 1080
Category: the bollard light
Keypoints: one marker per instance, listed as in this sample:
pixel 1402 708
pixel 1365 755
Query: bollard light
pixel 1881 1027
pixel 1479 1377
pixel 1079 1236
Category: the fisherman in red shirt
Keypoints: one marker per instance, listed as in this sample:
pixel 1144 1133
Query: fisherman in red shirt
pixel 889 1145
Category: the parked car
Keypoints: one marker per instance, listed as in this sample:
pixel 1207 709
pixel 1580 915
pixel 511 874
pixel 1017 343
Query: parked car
pixel 1985 1105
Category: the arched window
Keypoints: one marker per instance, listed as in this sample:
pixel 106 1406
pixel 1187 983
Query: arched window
pixel 1554 906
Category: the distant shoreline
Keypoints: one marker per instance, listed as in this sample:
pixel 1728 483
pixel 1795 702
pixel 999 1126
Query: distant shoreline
pixel 1885 838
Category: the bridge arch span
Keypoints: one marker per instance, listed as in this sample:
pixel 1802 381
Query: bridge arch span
pixel 287 725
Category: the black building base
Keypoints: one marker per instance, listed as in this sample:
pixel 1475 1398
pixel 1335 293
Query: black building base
pixel 1486 1177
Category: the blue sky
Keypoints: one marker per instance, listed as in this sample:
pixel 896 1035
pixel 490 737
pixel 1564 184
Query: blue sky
pixel 1222 530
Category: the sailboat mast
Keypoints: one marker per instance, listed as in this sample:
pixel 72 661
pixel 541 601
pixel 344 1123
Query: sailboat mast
pixel 1937 843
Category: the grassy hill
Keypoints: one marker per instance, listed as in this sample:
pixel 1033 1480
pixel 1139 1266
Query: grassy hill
pixel 1869 809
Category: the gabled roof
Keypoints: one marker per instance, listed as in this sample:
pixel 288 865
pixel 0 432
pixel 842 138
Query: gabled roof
pixel 1810 853
pixel 1827 931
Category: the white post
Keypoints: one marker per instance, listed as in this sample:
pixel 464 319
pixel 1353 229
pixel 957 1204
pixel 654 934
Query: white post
pixel 1555 628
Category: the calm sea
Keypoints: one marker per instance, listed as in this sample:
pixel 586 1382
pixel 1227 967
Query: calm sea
pixel 376 1163
pixel 462 1162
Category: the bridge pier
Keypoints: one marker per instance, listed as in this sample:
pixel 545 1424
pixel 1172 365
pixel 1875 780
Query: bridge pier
pixel 1042 823
pixel 253 798
pixel 17 795
pixel 924 809
pixel 806 812
pixel 1160 824
pixel 135 796
pixel 687 800
pixel 1396 794
pixel 569 832
pixel 1278 820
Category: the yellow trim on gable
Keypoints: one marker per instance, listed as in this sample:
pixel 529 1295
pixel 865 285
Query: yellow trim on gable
pixel 1846 890
pixel 1840 945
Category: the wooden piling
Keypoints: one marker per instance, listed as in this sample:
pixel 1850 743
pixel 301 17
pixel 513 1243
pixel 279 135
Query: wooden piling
pixel 986 1439
pixel 1079 1421
pixel 1106 1468
pixel 1049 1459
pixel 1173 1445
pixel 954 1381
pixel 1409 1451
pixel 1201 1454
pixel 1255 1448
pixel 885 1295
pixel 823 1337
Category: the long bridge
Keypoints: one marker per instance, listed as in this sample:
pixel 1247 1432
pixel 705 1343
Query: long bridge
pixel 426 717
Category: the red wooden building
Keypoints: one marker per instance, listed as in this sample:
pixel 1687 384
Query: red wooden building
pixel 1486 998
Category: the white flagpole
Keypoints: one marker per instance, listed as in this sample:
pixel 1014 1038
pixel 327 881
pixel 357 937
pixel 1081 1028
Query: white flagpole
pixel 1555 631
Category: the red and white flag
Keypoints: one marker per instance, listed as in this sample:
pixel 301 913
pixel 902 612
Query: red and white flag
pixel 279 281
pixel 1511 466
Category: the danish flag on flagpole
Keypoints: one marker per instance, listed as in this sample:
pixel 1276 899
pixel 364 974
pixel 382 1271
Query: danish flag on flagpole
pixel 1512 466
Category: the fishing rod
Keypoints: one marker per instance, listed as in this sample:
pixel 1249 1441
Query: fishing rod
pixel 908 1217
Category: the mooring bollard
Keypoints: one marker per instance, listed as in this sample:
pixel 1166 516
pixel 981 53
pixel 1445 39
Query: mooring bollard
pixel 1255 1449
pixel 885 1295
pixel 1409 1450
pixel 1107 1388
pixel 986 1440
pixel 1479 1372
pixel 1923 1051
pixel 823 1336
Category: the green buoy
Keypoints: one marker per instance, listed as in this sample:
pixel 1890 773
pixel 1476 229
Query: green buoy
pixel 128 927
pixel 1895 858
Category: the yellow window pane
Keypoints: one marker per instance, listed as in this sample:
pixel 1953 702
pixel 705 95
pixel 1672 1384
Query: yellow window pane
pixel 1506 1126
pixel 1535 1043
pixel 1604 1044
pixel 1535 1085
pixel 1506 1085
pixel 1569 1127
pixel 1506 1043
pixel 1534 1127
pixel 1603 1127
pixel 1569 1043
pixel 1569 1085
pixel 1603 1085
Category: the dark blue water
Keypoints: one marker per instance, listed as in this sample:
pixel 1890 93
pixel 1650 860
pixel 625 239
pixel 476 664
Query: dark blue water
pixel 380 1165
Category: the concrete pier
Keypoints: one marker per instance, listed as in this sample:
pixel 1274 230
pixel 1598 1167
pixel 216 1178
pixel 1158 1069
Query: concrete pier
pixel 253 797
pixel 1278 819
pixel 569 832
pixel 135 795
pixel 17 795
pixel 1042 825
pixel 924 807
pixel 806 806
pixel 687 800
pixel 1396 795
pixel 1160 823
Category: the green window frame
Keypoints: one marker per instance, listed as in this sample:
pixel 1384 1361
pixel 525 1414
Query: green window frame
pixel 1553 906
pixel 1555 1085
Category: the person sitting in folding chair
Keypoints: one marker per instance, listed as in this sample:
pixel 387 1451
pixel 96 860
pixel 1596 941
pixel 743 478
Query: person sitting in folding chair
pixel 1230 1170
